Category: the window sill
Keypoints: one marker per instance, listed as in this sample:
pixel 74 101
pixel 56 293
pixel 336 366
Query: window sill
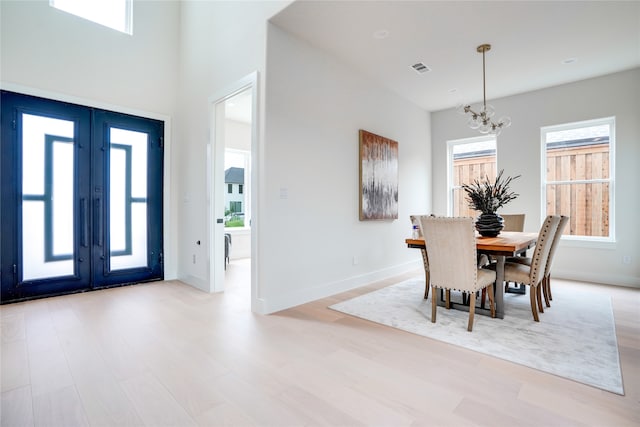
pixel 586 242
pixel 237 230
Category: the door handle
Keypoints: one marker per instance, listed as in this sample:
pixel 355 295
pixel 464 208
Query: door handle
pixel 97 221
pixel 84 226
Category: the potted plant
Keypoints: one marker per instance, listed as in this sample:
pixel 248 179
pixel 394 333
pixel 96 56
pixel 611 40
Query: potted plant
pixel 487 197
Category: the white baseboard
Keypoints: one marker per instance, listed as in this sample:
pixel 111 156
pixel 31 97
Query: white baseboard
pixel 170 274
pixel 196 282
pixel 303 296
pixel 607 279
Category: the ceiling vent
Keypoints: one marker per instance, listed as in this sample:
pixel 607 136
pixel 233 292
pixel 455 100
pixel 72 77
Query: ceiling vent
pixel 420 68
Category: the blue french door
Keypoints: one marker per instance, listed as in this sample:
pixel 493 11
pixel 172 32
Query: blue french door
pixel 81 203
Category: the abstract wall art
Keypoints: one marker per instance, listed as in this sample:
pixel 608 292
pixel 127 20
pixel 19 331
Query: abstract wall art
pixel 378 177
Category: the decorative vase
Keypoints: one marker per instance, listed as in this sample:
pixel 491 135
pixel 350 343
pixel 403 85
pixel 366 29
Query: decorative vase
pixel 489 224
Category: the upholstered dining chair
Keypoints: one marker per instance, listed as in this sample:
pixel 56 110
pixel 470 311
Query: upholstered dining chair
pixel 554 245
pixel 415 220
pixel 546 281
pixel 451 248
pixel 513 222
pixel 533 274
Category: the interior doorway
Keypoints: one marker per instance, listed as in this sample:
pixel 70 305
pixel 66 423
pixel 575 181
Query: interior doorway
pixel 232 183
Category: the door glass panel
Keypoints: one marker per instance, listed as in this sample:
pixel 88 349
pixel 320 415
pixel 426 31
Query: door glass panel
pixel 47 197
pixel 128 199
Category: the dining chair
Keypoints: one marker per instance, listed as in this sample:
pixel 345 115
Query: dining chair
pixel 546 281
pixel 227 248
pixel 533 274
pixel 554 245
pixel 451 247
pixel 415 220
pixel 513 222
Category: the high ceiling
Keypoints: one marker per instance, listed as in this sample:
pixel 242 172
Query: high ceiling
pixel 535 44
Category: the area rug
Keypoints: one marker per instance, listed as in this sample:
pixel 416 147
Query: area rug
pixel 575 338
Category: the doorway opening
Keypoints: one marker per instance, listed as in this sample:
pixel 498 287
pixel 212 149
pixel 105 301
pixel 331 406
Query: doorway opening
pixel 237 192
pixel 233 179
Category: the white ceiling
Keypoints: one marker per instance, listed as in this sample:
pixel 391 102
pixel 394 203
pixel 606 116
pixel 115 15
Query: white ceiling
pixel 530 40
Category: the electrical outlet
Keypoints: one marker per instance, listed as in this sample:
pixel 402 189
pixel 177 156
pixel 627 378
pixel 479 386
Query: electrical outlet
pixel 355 260
pixel 626 259
pixel 194 258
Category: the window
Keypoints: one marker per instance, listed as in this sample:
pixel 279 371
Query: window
pixel 469 159
pixel 230 188
pixel 239 188
pixel 577 178
pixel 114 14
pixel 235 207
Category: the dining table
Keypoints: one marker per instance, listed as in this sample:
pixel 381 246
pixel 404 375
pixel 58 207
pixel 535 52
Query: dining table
pixel 507 243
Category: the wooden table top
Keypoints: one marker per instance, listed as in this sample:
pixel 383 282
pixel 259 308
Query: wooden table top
pixel 506 243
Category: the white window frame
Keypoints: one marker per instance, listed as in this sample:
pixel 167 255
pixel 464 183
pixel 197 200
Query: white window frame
pixel 586 240
pixel 450 145
pixel 98 11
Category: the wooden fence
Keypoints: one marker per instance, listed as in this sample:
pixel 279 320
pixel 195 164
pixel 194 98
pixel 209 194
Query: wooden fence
pixel 464 172
pixel 587 204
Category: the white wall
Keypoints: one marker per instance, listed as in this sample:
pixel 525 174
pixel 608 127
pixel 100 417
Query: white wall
pixel 45 48
pixel 221 42
pixel 50 53
pixel 314 109
pixel 519 152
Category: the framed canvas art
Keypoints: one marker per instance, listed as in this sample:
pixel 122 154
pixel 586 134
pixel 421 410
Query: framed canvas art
pixel 378 177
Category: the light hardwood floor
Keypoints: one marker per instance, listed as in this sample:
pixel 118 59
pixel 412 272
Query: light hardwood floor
pixel 167 354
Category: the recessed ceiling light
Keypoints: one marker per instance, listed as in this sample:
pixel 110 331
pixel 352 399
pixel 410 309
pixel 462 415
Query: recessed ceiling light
pixel 569 61
pixel 381 34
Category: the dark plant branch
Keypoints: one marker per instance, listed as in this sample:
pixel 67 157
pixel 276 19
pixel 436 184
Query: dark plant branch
pixel 487 196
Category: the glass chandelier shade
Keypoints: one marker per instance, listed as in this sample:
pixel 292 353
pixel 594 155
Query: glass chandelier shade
pixel 482 119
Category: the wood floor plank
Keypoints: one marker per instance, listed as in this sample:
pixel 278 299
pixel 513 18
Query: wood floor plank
pixel 83 356
pixel 164 353
pixel 13 328
pixel 49 370
pixel 106 404
pixel 342 393
pixel 17 407
pixel 224 415
pixel 261 408
pixel 61 407
pixel 14 362
pixel 153 402
pixel 556 402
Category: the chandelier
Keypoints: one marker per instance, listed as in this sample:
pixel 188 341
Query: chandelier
pixel 482 120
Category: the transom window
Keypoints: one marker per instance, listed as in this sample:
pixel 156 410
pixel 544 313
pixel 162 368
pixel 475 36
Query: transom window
pixel 578 176
pixel 469 159
pixel 116 14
